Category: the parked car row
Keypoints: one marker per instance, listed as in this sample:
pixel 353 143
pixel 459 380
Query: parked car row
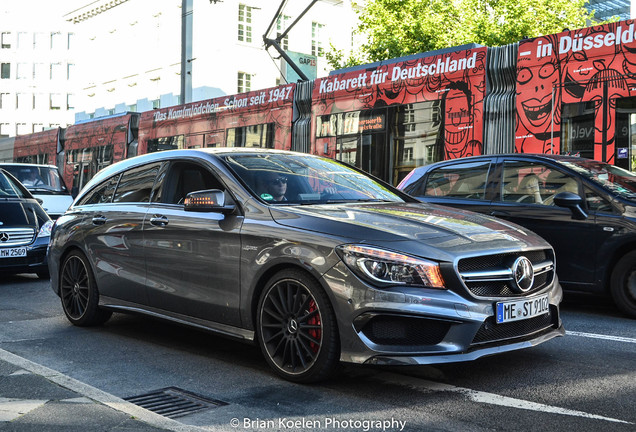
pixel 317 262
pixel 585 209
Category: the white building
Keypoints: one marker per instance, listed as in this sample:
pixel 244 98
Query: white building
pixel 135 48
pixel 37 69
pixel 77 59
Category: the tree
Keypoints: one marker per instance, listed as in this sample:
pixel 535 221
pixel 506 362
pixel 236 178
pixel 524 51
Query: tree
pixel 394 28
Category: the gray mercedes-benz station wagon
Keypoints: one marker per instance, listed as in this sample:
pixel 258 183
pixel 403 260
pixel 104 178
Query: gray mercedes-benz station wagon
pixel 310 258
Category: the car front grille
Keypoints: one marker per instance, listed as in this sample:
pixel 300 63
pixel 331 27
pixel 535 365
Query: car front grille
pixel 12 237
pixel 493 332
pixel 491 275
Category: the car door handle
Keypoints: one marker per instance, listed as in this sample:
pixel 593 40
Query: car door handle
pixel 159 220
pixel 99 220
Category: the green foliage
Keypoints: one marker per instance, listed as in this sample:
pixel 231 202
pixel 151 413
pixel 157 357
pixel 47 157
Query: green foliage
pixel 394 28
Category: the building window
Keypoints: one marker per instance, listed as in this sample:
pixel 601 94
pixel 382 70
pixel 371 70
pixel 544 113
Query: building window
pixel 40 41
pixel 40 71
pixel 25 40
pixel 69 101
pixel 244 82
pixel 22 129
pixel 56 71
pixel 245 23
pixel 5 70
pixel 5 40
pixel 316 40
pixel 70 42
pixel 5 130
pixel 70 71
pixel 38 127
pixel 4 100
pixel 55 101
pixel 56 41
pixel 21 71
pixel 281 26
pixel 23 101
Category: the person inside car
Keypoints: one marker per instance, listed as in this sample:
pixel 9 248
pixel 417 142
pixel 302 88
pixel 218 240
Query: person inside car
pixel 274 186
pixel 32 179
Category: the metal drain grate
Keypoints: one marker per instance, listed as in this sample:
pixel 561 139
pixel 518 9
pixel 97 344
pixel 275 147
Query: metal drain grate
pixel 174 402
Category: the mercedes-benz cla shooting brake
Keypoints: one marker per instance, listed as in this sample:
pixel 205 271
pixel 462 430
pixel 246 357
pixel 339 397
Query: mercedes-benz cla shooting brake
pixel 311 259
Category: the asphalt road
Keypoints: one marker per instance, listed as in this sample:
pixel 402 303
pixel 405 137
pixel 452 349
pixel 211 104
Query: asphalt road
pixel 585 381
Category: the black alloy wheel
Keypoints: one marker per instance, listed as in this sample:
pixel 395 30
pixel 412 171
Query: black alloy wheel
pixel 297 328
pixel 623 284
pixel 78 292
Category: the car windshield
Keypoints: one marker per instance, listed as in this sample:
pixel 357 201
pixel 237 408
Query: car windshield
pixel 8 188
pixel 281 178
pixel 613 178
pixel 38 179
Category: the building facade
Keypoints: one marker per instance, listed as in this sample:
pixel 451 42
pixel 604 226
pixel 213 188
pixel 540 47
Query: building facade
pixel 38 70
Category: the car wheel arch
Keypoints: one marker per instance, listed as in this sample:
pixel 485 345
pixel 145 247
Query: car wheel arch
pixel 65 253
pixel 264 277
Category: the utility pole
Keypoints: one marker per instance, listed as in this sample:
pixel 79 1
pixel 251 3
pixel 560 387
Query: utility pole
pixel 186 52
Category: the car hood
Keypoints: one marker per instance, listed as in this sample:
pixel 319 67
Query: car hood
pixel 422 229
pixel 20 213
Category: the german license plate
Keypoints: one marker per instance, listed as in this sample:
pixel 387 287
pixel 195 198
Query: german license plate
pixel 13 252
pixel 522 309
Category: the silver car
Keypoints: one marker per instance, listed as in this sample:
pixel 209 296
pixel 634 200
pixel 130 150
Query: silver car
pixel 311 259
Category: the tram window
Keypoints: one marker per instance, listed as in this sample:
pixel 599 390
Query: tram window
pixel 327 125
pixel 577 129
pixel 261 135
pixel 166 143
pixel 626 133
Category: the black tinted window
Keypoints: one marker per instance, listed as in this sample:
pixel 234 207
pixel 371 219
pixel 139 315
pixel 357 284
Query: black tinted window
pixel 463 180
pixel 186 177
pixel 136 184
pixel 102 193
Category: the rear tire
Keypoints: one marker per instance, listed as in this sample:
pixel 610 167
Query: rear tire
pixel 79 293
pixel 623 284
pixel 296 328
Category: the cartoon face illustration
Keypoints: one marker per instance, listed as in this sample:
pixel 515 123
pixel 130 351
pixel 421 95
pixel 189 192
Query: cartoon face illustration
pixel 536 101
pixel 458 119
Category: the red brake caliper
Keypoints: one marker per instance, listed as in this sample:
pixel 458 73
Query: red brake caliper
pixel 314 320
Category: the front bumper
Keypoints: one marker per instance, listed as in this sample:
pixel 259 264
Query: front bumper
pixel 410 326
pixel 34 262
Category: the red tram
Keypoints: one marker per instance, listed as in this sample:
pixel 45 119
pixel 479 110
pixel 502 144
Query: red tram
pixel 572 92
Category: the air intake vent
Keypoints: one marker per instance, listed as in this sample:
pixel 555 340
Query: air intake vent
pixel 173 402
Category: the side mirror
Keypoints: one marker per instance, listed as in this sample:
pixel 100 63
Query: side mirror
pixel 573 202
pixel 212 200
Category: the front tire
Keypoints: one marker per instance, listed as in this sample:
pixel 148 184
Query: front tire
pixel 296 328
pixel 78 291
pixel 623 284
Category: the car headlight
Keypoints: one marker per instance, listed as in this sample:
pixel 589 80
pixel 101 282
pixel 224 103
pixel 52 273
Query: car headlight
pixel 45 230
pixel 386 268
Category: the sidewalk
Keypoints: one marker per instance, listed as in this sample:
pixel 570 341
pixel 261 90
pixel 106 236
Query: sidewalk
pixel 36 398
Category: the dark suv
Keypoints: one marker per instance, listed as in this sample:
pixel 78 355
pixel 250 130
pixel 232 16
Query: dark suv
pixel 25 229
pixel 584 208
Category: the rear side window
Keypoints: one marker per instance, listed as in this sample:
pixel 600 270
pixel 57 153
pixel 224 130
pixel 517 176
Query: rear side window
pixel 136 184
pixel 102 193
pixel 463 180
